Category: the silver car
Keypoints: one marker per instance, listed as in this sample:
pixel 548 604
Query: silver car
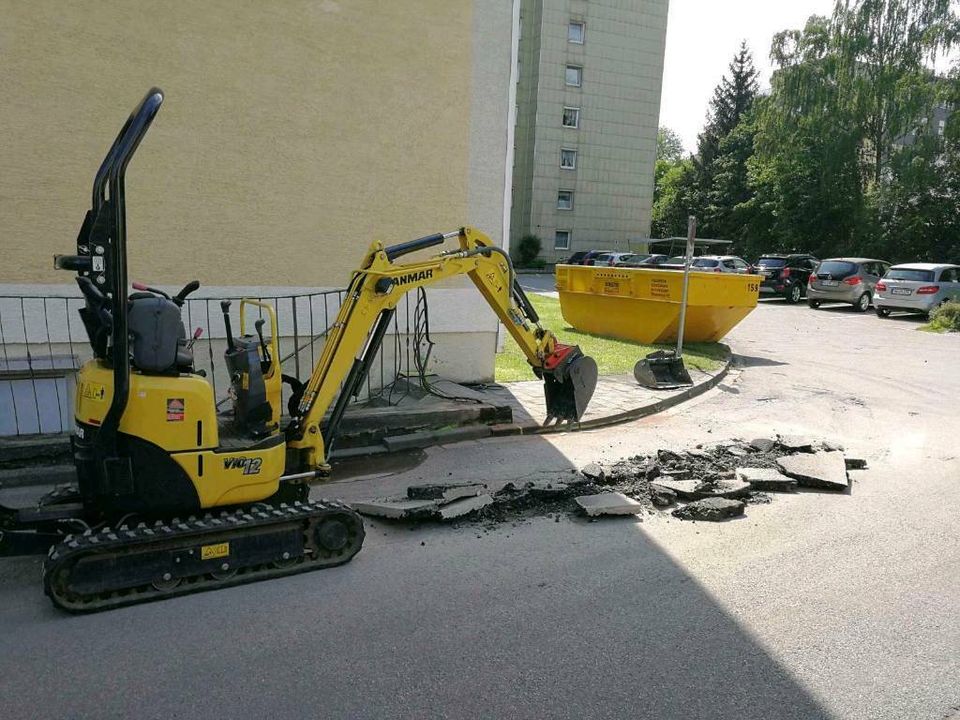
pixel 917 287
pixel 612 258
pixel 720 263
pixel 845 280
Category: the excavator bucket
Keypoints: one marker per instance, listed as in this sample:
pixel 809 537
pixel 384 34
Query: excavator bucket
pixel 662 369
pixel 569 383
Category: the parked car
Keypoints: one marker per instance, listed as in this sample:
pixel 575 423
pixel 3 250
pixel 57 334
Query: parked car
pixel 633 260
pixel 916 287
pixel 785 275
pixel 845 280
pixel 584 257
pixel 653 260
pixel 576 258
pixel 611 258
pixel 721 264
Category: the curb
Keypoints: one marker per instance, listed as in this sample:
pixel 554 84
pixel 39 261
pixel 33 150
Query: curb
pixel 618 418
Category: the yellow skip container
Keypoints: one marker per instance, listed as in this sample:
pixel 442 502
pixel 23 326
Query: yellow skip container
pixel 644 305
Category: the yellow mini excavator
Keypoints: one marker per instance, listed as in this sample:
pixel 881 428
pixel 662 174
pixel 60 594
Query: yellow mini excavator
pixel 172 500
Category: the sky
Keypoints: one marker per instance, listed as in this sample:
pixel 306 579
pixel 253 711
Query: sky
pixel 702 38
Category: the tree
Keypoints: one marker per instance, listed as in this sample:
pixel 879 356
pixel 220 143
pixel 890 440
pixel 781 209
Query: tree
pixel 730 193
pixel 673 200
pixel 918 204
pixel 884 49
pixel 833 162
pixel 805 171
pixel 669 145
pixel 731 100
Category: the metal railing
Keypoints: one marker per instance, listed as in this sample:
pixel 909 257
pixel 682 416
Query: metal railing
pixel 43 343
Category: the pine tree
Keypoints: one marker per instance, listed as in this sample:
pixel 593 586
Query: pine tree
pixel 732 100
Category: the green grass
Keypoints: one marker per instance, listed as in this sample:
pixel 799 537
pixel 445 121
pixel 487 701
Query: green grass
pixel 614 357
pixel 945 318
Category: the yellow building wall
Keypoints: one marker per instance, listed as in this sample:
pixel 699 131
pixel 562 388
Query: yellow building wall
pixel 292 133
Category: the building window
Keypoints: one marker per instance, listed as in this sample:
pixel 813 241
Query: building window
pixel 940 125
pixel 568 159
pixel 561 240
pixel 565 200
pixel 574 75
pixel 575 32
pixel 571 117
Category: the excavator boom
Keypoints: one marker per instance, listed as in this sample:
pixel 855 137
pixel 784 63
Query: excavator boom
pixel 372 296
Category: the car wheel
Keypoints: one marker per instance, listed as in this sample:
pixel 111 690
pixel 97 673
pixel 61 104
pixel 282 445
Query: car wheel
pixel 796 292
pixel 882 312
pixel 813 303
pixel 863 303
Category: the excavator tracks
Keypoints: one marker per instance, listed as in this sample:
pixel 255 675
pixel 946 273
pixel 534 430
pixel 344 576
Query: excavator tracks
pixel 113 567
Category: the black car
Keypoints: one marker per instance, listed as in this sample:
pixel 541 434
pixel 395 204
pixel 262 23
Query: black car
pixel 584 257
pixel 785 275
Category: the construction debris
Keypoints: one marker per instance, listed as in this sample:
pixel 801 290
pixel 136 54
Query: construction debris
pixel 699 489
pixel 661 496
pixel 594 472
pixel 711 482
pixel 463 507
pixel 855 463
pixel 609 503
pixel 795 443
pixel 763 444
pixel 826 470
pixel 447 493
pixel 397 509
pixel 712 509
pixel 547 489
pixel 766 479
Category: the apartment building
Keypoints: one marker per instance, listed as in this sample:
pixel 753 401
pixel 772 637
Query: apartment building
pixel 588 105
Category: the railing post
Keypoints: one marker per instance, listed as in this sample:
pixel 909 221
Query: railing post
pixel 296 338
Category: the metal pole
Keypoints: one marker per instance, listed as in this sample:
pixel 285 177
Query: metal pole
pixel 691 234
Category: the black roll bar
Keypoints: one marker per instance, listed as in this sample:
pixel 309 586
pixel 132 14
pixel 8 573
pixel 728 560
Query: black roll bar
pixel 111 175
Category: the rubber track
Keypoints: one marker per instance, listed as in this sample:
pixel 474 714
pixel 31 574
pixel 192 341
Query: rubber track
pixel 224 526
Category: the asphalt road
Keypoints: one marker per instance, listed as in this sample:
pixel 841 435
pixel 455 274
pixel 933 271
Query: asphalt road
pixel 815 606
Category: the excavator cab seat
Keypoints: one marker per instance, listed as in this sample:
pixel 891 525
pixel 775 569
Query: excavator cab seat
pixel 158 338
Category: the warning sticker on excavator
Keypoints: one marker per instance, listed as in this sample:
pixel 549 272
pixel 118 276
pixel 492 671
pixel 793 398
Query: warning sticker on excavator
pixel 175 409
pixel 92 391
pixel 219 550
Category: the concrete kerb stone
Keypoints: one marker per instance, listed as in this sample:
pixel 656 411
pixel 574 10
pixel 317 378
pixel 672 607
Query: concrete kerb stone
pixel 635 413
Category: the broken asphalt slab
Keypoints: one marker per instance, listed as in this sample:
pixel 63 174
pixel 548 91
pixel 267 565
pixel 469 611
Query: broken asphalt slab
pixel 463 507
pixel 397 509
pixel 763 444
pixel 769 479
pixel 446 492
pixel 796 443
pixel 824 470
pixel 698 490
pixel 609 503
pixel 712 509
pixel 661 496
pixel 423 509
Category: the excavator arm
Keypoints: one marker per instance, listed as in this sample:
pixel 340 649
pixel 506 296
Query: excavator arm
pixel 367 310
